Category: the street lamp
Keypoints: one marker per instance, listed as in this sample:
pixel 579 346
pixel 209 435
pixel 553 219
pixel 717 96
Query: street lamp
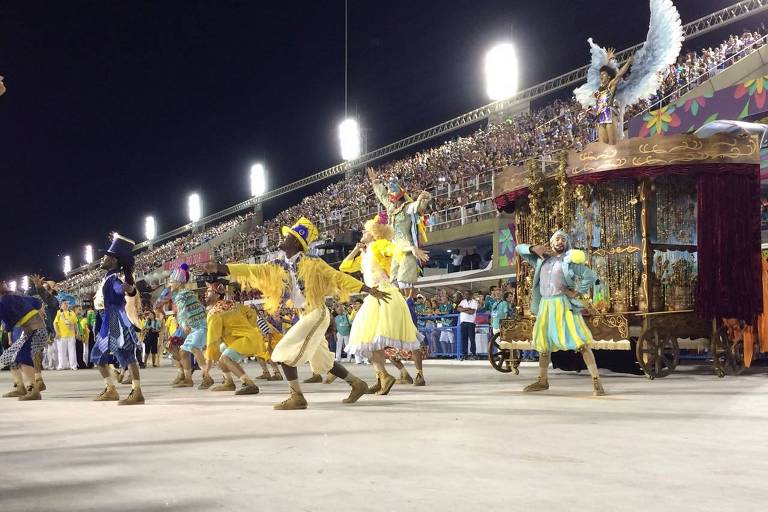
pixel 88 254
pixel 501 72
pixel 12 286
pixel 150 228
pixel 258 180
pixel 67 264
pixel 195 208
pixel 349 137
pixel 25 283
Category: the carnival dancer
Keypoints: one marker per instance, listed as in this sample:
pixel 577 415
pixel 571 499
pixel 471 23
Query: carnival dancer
pixel 305 281
pixel 404 215
pixel 116 333
pixel 191 316
pixel 46 292
pixel 18 311
pixel 560 278
pixel 231 334
pixel 378 326
pixel 173 334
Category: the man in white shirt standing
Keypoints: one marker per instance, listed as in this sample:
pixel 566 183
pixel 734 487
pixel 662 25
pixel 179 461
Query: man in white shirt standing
pixel 467 312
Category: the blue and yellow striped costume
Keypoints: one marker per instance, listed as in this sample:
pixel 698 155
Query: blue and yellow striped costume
pixel 559 324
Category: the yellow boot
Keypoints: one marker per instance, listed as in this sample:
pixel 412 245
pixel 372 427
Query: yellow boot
pixel 294 402
pixel 385 381
pixel 16 392
pixel 405 377
pixel 227 385
pixel 135 398
pixel 109 394
pixel 359 387
pixel 539 385
pixel 249 388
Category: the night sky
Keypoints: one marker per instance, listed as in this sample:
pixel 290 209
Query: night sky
pixel 118 109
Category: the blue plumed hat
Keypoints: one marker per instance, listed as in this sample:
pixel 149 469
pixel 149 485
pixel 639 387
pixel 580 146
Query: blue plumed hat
pixel 122 249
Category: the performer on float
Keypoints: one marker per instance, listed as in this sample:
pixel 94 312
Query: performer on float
pixel 231 335
pixel 191 316
pixel 404 215
pixel 560 278
pixel 609 93
pixel 377 325
pixel 304 281
pixel 18 311
pixel 115 300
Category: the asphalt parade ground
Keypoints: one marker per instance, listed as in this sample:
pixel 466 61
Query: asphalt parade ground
pixel 470 440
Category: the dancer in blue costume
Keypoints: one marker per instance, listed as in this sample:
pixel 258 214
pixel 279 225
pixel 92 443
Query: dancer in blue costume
pixel 559 279
pixel 117 335
pixel 21 312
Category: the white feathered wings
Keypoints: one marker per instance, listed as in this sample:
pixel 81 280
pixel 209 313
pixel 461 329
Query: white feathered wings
pixel 661 48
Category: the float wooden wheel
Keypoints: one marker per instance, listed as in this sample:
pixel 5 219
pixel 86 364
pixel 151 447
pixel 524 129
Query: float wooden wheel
pixel 498 357
pixel 727 355
pixel 658 354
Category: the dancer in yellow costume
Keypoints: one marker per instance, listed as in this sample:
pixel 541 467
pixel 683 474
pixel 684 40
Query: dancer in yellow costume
pixel 379 325
pixel 302 281
pixel 232 334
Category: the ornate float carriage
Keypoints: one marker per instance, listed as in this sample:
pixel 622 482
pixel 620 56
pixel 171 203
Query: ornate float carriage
pixel 653 215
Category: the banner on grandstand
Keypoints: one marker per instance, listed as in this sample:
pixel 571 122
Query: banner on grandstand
pixel 740 102
pixel 196 258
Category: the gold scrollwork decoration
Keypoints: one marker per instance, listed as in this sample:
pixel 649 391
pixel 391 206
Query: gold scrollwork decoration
pixel 630 249
pixel 618 322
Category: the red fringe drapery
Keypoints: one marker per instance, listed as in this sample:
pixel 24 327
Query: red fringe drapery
pixel 729 281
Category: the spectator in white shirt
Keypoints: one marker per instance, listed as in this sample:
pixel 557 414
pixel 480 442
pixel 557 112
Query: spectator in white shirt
pixel 467 313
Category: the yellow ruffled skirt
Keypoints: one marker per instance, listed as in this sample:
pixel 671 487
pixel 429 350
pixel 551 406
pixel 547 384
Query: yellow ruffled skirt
pixel 379 325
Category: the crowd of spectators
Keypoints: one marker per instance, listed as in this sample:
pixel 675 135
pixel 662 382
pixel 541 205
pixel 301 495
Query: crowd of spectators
pixel 693 68
pixel 458 173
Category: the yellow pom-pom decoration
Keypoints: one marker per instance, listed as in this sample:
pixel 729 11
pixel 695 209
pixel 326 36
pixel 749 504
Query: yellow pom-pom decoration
pixel 578 257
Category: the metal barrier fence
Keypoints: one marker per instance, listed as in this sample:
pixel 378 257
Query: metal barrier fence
pixel 442 335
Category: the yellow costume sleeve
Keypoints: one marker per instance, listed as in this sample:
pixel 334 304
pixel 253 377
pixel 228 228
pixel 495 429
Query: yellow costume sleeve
pixel 321 280
pixel 250 314
pixel 215 332
pixel 352 265
pixel 383 250
pixel 344 283
pixel 271 280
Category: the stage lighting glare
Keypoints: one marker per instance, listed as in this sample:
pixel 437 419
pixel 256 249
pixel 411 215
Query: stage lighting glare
pixel 150 228
pixel 349 136
pixel 501 72
pixel 258 180
pixel 195 208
